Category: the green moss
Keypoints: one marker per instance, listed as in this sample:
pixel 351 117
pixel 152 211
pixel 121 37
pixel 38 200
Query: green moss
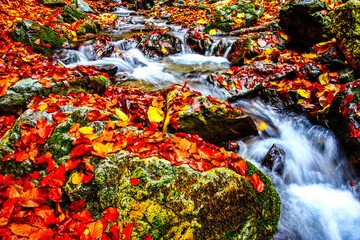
pixel 72 14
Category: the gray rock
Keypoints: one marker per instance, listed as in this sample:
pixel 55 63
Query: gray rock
pixel 82 6
pixel 274 159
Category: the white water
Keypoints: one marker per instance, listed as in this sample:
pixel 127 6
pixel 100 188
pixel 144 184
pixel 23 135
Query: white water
pixel 317 201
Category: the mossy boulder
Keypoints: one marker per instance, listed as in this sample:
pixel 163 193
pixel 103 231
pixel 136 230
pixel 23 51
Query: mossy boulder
pixel 29 31
pixel 177 202
pixel 212 122
pixel 87 27
pixel 306 21
pixel 72 14
pixel 53 3
pixel 346 28
pixel 82 6
pixel 234 16
pixel 17 95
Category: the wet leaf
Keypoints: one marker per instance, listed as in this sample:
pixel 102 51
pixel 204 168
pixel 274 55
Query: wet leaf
pixel 121 115
pixel 86 130
pixel 155 114
pixel 304 93
pixel 111 214
pixel 134 181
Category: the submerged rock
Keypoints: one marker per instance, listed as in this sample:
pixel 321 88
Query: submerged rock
pixel 274 159
pixel 36 34
pixel 306 21
pixel 212 122
pixel 346 27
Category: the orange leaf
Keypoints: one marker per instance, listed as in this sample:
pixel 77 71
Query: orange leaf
pixel 37 41
pixel 241 167
pixel 96 229
pixel 22 229
pixel 111 214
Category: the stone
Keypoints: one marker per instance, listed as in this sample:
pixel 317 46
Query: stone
pixel 346 28
pixel 274 159
pixel 28 31
pixel 52 3
pixel 87 27
pixel 110 69
pixel 306 21
pixel 157 44
pixel 177 202
pixel 82 6
pixel 214 123
pixel 72 14
pixel 222 18
pixel 17 95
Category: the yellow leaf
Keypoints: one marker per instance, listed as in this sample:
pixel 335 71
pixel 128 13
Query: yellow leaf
pixel 42 107
pixel 164 50
pixel 239 21
pixel 284 36
pixel 324 78
pixel 155 114
pixel 91 136
pixel 121 115
pixel 303 93
pixel 86 130
pixel 25 60
pixel 202 21
pixel 77 178
pixel 262 126
pixel 73 33
pixel 309 55
pixel 212 32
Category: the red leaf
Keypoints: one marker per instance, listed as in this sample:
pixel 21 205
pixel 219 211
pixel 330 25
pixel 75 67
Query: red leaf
pixel 55 194
pixel 147 237
pixel 258 184
pixel 127 231
pixel 348 99
pixel 240 167
pixel 111 214
pixel 134 181
pixel 96 229
pixel 60 117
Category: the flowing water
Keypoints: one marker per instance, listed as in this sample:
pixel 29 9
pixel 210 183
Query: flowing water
pixel 317 201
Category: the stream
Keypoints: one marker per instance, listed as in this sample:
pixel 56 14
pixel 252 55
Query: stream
pixel 317 200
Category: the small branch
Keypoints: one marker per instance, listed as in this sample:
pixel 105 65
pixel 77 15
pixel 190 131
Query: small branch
pixel 260 28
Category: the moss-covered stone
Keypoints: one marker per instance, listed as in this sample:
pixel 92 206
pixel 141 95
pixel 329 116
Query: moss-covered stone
pixel 180 203
pixel 212 122
pixel 53 3
pixel 17 95
pixel 28 31
pixel 87 27
pixel 71 14
pixel 346 28
pixel 245 11
pixel 305 23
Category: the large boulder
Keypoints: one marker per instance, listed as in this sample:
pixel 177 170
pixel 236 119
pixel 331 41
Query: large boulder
pixel 234 16
pixel 346 28
pixel 88 26
pixel 72 14
pixel 42 39
pixel 82 6
pixel 213 121
pixel 177 202
pixel 306 21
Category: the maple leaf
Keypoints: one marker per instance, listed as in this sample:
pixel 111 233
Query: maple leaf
pixel 127 231
pixel 134 181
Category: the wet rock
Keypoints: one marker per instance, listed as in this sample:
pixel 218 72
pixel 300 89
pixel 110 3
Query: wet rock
pixel 72 14
pixel 274 159
pixel 246 11
pixel 53 3
pixel 82 6
pixel 346 27
pixel 157 44
pixel 17 95
pixel 311 71
pixel 212 122
pixel 230 146
pixel 29 31
pixel 306 21
pixel 177 202
pixel 141 4
pixel 87 27
pixel 110 69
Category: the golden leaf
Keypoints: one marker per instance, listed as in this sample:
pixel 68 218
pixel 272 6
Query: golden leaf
pixel 86 130
pixel 155 114
pixel 303 93
pixel 121 115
